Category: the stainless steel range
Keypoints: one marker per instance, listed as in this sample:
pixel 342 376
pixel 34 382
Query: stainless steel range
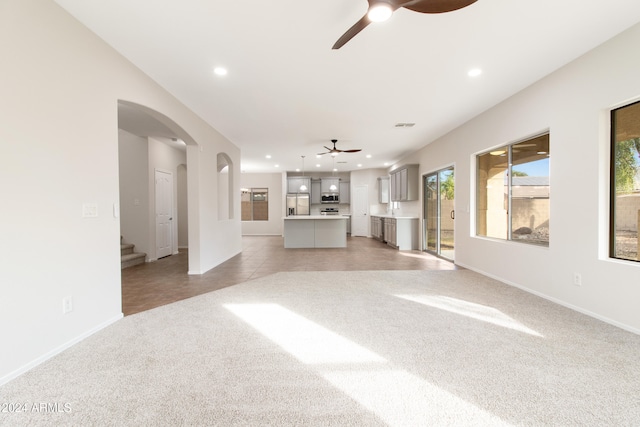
pixel 329 211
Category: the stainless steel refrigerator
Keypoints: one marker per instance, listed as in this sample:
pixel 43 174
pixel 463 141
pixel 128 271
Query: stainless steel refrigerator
pixel 297 204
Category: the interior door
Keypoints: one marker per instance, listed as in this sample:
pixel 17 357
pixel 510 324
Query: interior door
pixel 360 211
pixel 164 213
pixel 439 213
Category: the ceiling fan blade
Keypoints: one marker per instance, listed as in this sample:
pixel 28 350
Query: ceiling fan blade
pixel 351 32
pixel 320 154
pixel 436 6
pixel 352 151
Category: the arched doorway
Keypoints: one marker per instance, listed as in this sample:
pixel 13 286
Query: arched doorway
pixel 149 143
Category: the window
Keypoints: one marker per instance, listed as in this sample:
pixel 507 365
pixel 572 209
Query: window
pixel 255 204
pixel 625 182
pixel 513 192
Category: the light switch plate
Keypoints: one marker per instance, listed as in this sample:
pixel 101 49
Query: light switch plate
pixel 89 210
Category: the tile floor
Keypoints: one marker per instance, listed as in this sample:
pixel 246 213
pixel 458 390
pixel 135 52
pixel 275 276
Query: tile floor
pixel 165 281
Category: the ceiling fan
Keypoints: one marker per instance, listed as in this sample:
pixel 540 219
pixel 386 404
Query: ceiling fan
pixel 380 10
pixel 334 151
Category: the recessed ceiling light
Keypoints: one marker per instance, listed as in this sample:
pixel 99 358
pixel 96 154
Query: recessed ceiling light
pixel 220 71
pixel 277 166
pixel 335 169
pixel 386 163
pixel 474 72
pixel 318 156
pixel 359 165
pixel 297 169
pixel 318 165
pixel 268 156
pixel 368 156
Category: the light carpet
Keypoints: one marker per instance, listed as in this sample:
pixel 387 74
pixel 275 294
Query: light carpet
pixel 357 348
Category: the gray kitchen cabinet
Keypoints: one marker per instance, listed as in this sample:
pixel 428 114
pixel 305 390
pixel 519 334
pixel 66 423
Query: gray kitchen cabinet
pixel 327 183
pixel 383 189
pixel 404 183
pixel 398 232
pixel 376 227
pixel 315 192
pixel 390 233
pixel 294 184
pixel 345 192
pixel 402 233
pixel 394 191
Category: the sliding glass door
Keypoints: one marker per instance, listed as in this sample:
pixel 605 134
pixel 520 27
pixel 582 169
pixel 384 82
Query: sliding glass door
pixel 439 212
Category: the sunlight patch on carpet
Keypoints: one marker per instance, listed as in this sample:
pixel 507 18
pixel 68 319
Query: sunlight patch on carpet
pixel 471 310
pixel 305 340
pixel 402 399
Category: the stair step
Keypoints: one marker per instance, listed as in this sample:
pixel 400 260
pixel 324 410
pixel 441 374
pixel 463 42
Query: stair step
pixel 129 260
pixel 126 249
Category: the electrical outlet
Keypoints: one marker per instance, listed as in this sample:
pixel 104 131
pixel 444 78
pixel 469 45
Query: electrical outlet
pixel 67 305
pixel 577 279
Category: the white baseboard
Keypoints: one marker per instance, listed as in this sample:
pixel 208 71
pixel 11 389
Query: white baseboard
pixel 556 301
pixel 12 375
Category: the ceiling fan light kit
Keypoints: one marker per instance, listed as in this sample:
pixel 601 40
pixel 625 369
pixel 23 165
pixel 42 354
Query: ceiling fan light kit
pixel 381 10
pixel 334 151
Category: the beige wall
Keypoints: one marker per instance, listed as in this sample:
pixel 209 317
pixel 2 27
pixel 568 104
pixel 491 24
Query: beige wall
pixel 133 175
pixel 574 105
pixel 59 148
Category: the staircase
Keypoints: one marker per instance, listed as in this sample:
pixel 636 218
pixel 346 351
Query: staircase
pixel 129 258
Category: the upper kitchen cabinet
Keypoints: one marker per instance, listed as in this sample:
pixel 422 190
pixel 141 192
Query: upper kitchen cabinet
pixel 294 184
pixel 383 189
pixel 345 192
pixel 404 183
pixel 315 192
pixel 330 185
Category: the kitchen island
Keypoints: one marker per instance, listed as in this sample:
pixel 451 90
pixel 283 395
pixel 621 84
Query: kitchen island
pixel 315 231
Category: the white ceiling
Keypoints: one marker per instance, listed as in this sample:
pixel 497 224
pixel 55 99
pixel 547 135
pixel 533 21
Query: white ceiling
pixel 287 93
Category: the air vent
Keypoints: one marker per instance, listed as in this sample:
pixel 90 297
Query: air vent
pixel 405 125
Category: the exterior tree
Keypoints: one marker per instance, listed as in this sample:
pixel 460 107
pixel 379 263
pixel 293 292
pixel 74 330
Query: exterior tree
pixel 447 187
pixel 626 166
